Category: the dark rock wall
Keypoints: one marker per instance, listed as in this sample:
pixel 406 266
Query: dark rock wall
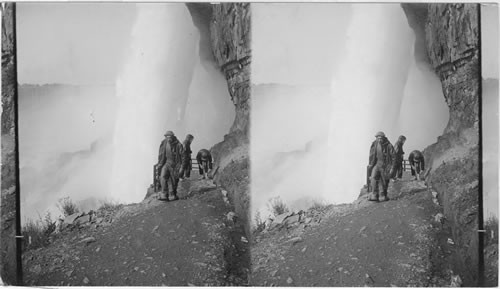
pixel 452 35
pixel 452 45
pixel 230 37
pixel 228 26
pixel 9 149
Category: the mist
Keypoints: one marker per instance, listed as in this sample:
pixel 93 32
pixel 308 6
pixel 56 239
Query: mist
pixel 64 146
pixel 209 111
pixel 289 125
pixel 489 51
pixel 374 84
pixel 490 147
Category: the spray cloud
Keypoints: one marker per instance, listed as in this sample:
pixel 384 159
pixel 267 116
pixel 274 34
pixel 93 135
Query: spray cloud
pixel 156 74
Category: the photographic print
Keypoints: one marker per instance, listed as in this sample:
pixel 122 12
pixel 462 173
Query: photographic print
pixel 132 140
pixel 365 144
pixel 249 144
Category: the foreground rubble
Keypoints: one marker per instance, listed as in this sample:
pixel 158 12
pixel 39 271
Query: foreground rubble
pixel 153 243
pixel 395 243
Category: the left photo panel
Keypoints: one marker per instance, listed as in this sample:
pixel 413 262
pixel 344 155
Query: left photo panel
pixel 125 140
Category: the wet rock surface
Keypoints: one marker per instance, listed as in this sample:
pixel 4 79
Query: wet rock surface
pixel 450 34
pixel 152 243
pixel 9 148
pixel 230 39
pixel 394 243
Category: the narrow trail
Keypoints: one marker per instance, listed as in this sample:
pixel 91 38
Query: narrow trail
pixel 154 243
pixel 394 243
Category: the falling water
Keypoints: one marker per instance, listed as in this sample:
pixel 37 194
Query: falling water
pixel 367 90
pixel 155 78
pixel 164 86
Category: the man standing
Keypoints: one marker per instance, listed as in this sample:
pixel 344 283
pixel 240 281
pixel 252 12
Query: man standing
pixel 187 165
pixel 399 153
pixel 204 159
pixel 170 161
pixel 381 163
pixel 417 164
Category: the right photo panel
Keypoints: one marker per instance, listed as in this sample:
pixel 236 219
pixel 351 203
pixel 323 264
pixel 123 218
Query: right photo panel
pixel 374 145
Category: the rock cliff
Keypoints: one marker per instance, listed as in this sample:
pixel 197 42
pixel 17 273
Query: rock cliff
pixel 10 156
pixel 450 33
pixel 228 26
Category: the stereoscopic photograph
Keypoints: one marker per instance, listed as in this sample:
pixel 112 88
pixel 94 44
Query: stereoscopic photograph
pixel 249 144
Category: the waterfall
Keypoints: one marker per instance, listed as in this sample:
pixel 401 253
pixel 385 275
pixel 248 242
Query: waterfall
pixel 154 80
pixel 367 90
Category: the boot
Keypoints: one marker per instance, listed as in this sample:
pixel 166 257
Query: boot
pixel 383 197
pixel 162 196
pixel 373 197
pixel 175 196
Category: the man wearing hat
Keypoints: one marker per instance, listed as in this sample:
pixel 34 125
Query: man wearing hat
pixel 399 153
pixel 381 163
pixel 187 165
pixel 417 164
pixel 170 160
pixel 204 159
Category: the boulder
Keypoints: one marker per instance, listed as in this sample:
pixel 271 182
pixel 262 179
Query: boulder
pixel 83 219
pixel 69 220
pixel 280 218
pixel 87 240
pixel 292 219
pixel 439 218
pixel 231 216
pixel 295 240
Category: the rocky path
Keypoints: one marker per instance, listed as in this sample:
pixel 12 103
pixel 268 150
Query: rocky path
pixel 394 243
pixel 182 243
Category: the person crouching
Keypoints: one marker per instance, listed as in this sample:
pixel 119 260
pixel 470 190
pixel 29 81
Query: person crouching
pixel 204 159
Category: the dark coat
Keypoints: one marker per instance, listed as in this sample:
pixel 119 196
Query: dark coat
pixel 171 153
pixel 204 156
pixel 398 149
pixel 416 156
pixel 187 147
pixel 387 152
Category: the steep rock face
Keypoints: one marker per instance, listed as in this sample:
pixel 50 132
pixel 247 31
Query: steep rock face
pixel 230 36
pixel 451 41
pixel 10 182
pixel 229 33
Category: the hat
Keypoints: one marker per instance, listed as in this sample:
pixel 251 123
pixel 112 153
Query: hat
pixel 204 154
pixel 189 136
pixel 379 134
pixel 169 133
